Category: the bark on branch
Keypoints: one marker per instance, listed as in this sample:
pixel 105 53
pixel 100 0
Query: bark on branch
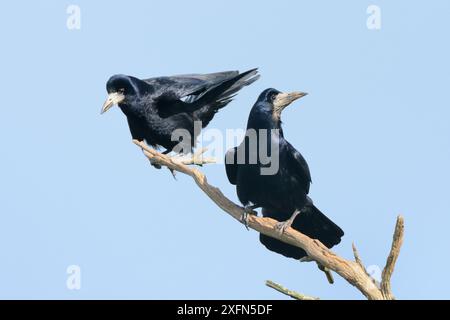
pixel 353 272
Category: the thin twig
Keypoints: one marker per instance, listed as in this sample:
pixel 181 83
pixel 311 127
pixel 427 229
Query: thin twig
pixel 290 293
pixel 361 264
pixel 357 258
pixel 397 241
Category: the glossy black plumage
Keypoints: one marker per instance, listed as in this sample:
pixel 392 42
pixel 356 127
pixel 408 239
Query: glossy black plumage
pixel 156 107
pixel 284 192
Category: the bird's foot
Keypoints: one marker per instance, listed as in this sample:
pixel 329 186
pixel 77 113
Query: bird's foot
pixel 282 226
pixel 247 211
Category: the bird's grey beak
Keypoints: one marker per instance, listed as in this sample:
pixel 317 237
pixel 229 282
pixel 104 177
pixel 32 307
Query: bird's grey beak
pixel 282 100
pixel 113 98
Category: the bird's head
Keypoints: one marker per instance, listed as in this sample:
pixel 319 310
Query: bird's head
pixel 273 101
pixel 121 88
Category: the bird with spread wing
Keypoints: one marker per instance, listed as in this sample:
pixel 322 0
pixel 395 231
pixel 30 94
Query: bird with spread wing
pixel 155 108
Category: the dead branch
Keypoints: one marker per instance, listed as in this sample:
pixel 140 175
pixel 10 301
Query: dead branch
pixel 353 272
pixel 196 158
pixel 397 242
pixel 290 293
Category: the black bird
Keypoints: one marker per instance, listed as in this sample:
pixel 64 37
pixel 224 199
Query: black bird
pixel 283 193
pixel 156 107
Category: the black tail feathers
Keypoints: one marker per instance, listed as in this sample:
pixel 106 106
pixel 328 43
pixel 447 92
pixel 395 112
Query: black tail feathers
pixel 310 222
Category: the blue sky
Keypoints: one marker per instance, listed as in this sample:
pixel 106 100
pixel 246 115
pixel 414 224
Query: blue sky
pixel 74 190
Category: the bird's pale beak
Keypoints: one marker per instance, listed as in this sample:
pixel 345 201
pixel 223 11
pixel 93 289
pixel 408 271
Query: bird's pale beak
pixel 282 100
pixel 113 98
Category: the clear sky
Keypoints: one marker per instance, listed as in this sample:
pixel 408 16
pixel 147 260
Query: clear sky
pixel 74 190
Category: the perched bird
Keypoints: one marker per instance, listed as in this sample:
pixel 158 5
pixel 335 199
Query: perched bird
pixel 156 107
pixel 282 194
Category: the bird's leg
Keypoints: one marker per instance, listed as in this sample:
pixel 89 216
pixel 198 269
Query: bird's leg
pixel 282 226
pixel 248 210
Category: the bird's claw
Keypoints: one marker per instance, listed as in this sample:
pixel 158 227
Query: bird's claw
pixel 282 226
pixel 244 219
pixel 245 214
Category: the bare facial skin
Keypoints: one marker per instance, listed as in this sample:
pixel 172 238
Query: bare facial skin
pixel 113 98
pixel 282 100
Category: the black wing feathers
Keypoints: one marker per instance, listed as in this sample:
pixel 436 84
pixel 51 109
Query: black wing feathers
pixel 299 166
pixel 190 93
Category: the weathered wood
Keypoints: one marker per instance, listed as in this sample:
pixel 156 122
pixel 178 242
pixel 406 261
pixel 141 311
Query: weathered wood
pixel 353 272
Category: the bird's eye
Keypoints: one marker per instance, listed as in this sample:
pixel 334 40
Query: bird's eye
pixel 273 96
pixel 122 91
